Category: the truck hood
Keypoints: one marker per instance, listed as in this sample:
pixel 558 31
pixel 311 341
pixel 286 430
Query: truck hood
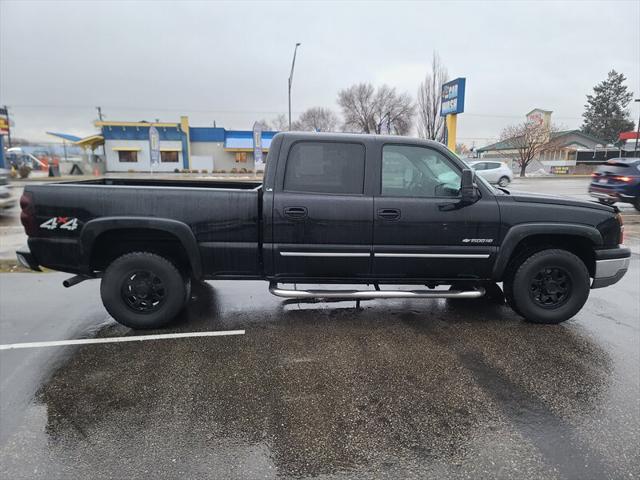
pixel 557 200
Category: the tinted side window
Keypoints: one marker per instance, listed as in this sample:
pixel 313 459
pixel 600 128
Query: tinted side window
pixel 409 171
pixel 325 167
pixel 493 165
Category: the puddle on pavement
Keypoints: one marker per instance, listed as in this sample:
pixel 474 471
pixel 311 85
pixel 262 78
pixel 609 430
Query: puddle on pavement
pixel 321 390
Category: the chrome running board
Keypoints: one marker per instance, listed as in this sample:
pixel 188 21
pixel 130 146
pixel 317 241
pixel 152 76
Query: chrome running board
pixel 373 294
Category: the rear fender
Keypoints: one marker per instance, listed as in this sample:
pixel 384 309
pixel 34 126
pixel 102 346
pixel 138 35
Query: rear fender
pixel 94 228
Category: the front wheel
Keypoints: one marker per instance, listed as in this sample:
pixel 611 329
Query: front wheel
pixel 504 181
pixel 551 286
pixel 143 290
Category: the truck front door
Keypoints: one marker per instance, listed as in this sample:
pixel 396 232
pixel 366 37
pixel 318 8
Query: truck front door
pixel 322 215
pixel 421 230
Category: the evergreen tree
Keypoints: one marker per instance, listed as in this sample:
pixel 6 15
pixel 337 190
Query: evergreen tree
pixel 606 113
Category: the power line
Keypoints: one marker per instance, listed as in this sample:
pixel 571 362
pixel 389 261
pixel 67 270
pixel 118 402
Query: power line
pixel 243 112
pixel 147 109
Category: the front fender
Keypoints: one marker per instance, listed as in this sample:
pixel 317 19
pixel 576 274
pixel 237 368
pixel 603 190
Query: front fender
pixel 94 228
pixel 518 233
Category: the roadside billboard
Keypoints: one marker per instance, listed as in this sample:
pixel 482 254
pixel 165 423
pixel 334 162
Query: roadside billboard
pixel 4 121
pixel 452 101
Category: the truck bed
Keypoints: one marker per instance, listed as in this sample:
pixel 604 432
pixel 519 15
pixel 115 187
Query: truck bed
pixel 224 217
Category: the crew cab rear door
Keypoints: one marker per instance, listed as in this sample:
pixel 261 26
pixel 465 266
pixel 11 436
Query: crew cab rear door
pixel 421 230
pixel 322 214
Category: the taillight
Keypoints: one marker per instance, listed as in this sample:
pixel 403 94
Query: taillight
pixel 623 179
pixel 27 216
pixel 26 201
pixel 595 174
pixel 619 218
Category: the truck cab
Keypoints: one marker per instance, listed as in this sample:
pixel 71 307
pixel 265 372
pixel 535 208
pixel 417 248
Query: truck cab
pixel 348 208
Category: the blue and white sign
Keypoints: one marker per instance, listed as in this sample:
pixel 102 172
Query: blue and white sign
pixel 257 147
pixel 452 97
pixel 154 145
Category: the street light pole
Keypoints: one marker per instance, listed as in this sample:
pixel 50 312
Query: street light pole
pixel 293 64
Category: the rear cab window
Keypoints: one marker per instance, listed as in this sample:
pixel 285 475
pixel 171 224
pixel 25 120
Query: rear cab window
pixel 325 167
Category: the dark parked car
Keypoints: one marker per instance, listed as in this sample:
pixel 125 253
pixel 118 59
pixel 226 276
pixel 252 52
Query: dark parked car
pixel 334 208
pixel 618 180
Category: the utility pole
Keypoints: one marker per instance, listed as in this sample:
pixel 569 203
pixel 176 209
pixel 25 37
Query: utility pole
pixel 104 149
pixel 635 149
pixel 8 126
pixel 293 64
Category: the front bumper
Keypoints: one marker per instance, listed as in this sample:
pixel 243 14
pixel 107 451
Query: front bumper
pixel 27 260
pixel 611 265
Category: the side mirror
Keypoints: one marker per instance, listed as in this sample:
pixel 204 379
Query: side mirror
pixel 468 191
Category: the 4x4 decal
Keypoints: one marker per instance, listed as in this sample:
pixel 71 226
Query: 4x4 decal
pixel 64 223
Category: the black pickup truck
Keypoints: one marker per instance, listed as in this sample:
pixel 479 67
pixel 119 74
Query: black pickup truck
pixel 333 209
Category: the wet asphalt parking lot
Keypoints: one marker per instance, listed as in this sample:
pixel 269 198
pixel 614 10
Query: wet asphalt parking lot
pixel 396 389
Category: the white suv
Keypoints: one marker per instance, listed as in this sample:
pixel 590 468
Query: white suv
pixel 494 172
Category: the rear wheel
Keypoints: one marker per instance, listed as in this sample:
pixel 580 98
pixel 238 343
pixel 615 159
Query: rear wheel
pixel 550 286
pixel 504 181
pixel 143 290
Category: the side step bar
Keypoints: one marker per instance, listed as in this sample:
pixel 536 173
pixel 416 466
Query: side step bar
pixel 373 294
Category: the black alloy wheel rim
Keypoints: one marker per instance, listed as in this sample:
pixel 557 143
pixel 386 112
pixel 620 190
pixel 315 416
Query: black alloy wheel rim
pixel 143 291
pixel 550 287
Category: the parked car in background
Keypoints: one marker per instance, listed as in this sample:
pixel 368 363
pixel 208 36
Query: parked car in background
pixel 494 172
pixel 6 199
pixel 618 180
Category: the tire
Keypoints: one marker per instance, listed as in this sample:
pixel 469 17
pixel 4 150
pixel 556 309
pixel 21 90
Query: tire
pixel 550 286
pixel 636 204
pixel 504 181
pixel 143 290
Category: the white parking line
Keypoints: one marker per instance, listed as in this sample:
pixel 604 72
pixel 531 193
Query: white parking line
pixel 138 338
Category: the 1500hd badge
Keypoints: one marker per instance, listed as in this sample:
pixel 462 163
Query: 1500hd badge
pixel 64 223
pixel 477 240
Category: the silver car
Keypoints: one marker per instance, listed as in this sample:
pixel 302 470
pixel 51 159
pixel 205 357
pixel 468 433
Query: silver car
pixel 6 199
pixel 494 172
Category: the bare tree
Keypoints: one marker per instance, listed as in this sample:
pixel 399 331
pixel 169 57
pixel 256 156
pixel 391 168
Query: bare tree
pixel 316 119
pixel 430 123
pixel 265 124
pixel 280 123
pixel 525 141
pixel 368 110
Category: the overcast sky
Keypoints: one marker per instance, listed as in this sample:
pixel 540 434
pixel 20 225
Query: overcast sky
pixel 229 62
